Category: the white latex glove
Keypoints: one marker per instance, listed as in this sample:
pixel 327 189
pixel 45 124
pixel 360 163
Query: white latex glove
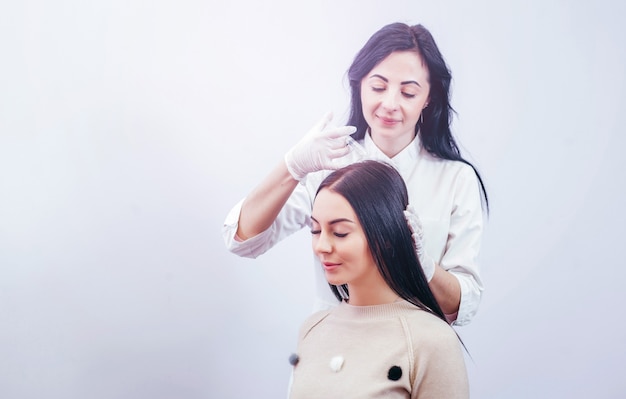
pixel 428 264
pixel 321 148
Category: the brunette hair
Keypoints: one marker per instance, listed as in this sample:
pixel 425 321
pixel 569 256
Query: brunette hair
pixel 378 195
pixel 434 125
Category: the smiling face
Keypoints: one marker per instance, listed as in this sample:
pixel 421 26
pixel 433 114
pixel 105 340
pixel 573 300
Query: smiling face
pixel 340 243
pixel 393 95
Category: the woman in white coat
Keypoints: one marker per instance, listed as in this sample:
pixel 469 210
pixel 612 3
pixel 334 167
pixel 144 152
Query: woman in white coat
pixel 400 114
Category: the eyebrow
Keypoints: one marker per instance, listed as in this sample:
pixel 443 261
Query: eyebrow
pixel 334 221
pixel 406 82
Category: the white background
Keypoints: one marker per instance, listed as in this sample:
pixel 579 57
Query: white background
pixel 129 128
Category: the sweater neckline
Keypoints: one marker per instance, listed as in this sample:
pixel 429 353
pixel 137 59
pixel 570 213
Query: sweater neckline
pixel 393 309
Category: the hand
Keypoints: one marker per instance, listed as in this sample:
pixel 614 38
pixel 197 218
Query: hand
pixel 319 149
pixel 428 264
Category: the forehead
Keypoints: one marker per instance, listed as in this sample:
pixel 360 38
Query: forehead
pixel 329 205
pixel 401 65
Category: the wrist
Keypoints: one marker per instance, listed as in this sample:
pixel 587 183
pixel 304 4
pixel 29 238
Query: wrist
pixel 294 171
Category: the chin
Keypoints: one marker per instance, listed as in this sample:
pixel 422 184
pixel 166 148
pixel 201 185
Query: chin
pixel 335 281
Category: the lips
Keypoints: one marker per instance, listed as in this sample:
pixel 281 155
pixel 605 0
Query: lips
pixel 388 121
pixel 329 266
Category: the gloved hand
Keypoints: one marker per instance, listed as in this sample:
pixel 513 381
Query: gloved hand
pixel 428 264
pixel 321 148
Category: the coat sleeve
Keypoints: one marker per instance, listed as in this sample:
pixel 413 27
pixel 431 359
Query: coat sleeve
pixel 293 217
pixel 463 244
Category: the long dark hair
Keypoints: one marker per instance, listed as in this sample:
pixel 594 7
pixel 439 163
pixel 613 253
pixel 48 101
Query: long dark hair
pixel 434 126
pixel 378 195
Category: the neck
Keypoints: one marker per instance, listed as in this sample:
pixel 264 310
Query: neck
pixel 391 145
pixel 369 296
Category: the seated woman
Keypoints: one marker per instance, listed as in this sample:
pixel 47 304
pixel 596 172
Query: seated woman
pixel 388 338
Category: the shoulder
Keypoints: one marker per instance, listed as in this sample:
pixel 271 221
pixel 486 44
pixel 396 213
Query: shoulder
pixel 312 321
pixel 453 166
pixel 448 166
pixel 435 346
pixel 427 330
pixel 462 177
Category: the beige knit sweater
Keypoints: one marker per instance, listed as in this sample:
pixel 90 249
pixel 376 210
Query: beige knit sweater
pixel 384 351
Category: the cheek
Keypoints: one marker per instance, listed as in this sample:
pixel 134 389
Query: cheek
pixel 366 100
pixel 413 111
pixel 361 253
pixel 368 109
pixel 414 114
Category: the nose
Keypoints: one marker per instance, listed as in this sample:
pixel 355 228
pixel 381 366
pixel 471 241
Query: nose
pixel 322 244
pixel 390 101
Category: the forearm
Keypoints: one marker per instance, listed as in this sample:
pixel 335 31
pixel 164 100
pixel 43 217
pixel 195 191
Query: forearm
pixel 262 205
pixel 446 289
